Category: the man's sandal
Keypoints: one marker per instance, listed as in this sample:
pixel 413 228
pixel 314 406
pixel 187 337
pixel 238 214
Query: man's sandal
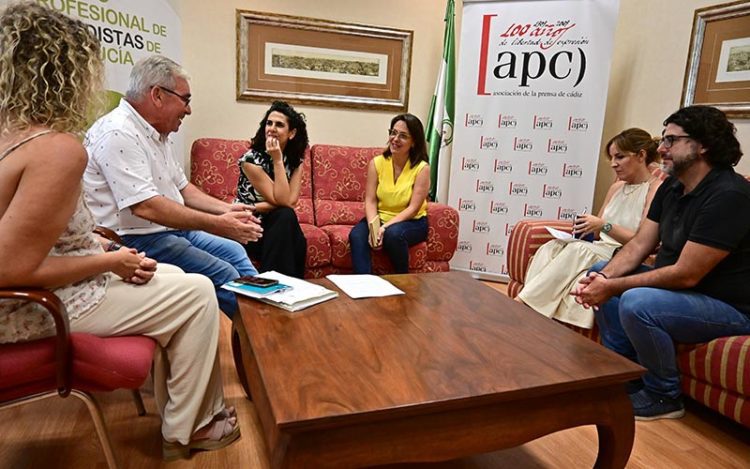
pixel 223 432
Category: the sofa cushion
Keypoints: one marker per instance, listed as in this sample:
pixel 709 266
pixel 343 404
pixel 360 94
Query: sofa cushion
pixel 442 232
pixel 318 246
pixel 716 374
pixel 721 362
pixel 213 166
pixel 339 175
pixel 304 209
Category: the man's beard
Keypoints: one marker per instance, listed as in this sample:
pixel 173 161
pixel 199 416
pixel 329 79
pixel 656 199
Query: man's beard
pixel 679 167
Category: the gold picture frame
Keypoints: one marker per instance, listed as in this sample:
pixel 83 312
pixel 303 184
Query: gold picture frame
pixel 321 62
pixel 718 66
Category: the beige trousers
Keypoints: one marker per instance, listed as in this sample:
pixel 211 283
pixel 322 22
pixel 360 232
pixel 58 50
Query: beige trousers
pixel 179 311
pixel 554 272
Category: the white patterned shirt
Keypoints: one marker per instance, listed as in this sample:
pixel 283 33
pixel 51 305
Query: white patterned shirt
pixel 129 162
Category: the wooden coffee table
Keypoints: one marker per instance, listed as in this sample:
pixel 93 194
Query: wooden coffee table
pixel 450 369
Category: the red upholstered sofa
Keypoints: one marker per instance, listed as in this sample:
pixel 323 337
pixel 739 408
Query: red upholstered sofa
pixel 331 203
pixel 716 374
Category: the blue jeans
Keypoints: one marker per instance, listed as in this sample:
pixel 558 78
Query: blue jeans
pixel 219 259
pixel 396 241
pixel 643 323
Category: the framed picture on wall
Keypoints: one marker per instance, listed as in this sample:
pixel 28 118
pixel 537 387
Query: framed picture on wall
pixel 315 61
pixel 718 67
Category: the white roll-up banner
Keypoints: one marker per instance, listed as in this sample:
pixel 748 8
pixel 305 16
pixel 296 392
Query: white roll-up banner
pixel 530 100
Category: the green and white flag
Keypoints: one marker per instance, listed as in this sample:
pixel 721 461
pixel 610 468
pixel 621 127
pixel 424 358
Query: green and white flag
pixel 440 120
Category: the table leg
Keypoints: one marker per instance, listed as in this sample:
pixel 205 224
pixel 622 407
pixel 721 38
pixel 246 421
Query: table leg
pixel 616 436
pixel 237 329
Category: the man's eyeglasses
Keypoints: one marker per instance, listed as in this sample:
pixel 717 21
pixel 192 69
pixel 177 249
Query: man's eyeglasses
pixel 184 99
pixel 668 140
pixel 399 135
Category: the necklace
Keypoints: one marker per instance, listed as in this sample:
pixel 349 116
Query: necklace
pixel 628 189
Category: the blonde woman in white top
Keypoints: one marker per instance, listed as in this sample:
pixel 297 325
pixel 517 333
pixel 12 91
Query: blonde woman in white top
pixel 556 267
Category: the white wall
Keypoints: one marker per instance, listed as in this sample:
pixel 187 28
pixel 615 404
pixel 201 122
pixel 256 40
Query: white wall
pixel 648 66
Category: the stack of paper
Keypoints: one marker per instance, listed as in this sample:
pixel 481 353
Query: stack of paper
pixel 301 294
pixel 254 291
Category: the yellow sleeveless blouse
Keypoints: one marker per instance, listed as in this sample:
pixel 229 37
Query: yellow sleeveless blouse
pixel 393 198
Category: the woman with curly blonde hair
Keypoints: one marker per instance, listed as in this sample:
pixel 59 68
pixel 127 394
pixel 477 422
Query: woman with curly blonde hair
pixel 50 71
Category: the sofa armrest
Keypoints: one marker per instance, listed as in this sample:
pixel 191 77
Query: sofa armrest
pixel 442 234
pixel 525 239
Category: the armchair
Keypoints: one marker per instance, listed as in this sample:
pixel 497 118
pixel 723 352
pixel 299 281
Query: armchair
pixel 71 364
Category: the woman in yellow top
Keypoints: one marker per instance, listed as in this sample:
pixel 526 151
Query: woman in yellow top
pixel 396 193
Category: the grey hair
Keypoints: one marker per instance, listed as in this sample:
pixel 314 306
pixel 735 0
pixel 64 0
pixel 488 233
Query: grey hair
pixel 155 70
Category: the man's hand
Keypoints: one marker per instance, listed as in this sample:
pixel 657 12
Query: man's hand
pixel 592 290
pixel 237 207
pixel 240 226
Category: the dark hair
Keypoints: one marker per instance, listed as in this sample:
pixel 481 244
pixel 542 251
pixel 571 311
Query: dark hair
pixel 712 129
pixel 634 140
pixel 418 152
pixel 295 147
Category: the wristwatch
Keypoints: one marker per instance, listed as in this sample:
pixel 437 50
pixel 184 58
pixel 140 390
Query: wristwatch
pixel 607 227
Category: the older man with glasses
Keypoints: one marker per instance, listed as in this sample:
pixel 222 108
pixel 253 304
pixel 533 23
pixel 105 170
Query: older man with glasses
pixel 135 186
pixel 698 289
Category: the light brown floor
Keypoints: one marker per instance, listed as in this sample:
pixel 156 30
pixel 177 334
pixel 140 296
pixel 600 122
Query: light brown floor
pixel 59 433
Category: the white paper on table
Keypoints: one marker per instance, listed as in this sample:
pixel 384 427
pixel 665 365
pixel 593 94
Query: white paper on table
pixel 364 286
pixel 561 235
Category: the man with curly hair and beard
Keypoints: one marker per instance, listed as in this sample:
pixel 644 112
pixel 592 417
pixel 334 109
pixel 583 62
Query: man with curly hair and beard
pixel 697 290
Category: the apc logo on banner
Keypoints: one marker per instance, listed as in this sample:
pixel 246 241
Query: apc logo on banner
pixel 551 192
pixel 537 169
pixel 488 143
pixel 522 144
pixel 532 211
pixel 518 189
pixel 480 227
pixel 498 208
pixel 473 120
pixel 466 205
pixel 503 166
pixel 578 124
pixel 508 229
pixel 572 171
pixel 464 247
pixel 567 214
pixel 506 121
pixel 485 186
pixel 477 266
pixel 542 123
pixel 469 164
pixel 557 146
pixel 495 250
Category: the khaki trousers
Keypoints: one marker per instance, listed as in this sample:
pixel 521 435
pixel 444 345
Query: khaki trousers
pixel 179 311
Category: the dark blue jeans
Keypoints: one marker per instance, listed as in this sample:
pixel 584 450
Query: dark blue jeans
pixel 643 323
pixel 219 259
pixel 396 241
